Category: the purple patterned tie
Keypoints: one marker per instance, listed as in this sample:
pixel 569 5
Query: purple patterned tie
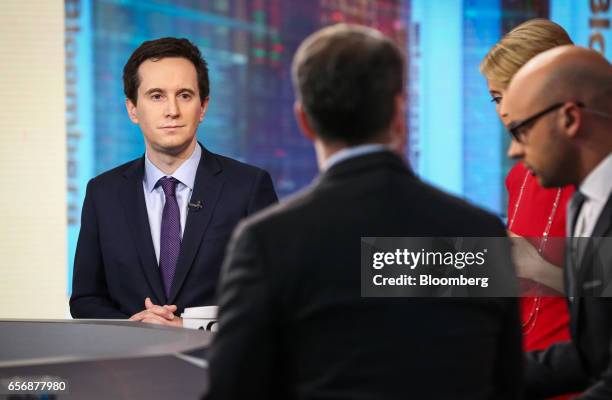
pixel 170 237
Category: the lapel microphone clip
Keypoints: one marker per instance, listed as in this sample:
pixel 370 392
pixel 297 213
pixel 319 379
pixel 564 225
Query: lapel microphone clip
pixel 196 206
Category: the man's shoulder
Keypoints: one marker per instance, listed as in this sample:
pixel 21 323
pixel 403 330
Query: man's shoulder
pixel 457 217
pixel 453 205
pixel 416 200
pixel 118 174
pixel 432 207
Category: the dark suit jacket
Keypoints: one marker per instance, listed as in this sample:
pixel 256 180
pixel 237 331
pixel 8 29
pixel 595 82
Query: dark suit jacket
pixel 293 323
pixel 115 267
pixel 584 363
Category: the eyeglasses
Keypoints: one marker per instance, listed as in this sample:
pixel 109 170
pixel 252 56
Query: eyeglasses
pixel 518 129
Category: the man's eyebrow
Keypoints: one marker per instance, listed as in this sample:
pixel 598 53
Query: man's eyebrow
pixel 153 90
pixel 159 90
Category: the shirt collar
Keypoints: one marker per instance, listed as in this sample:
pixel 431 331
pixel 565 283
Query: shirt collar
pixel 351 152
pixel 185 174
pixel 598 184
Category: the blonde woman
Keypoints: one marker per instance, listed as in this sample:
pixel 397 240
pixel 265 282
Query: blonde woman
pixel 535 215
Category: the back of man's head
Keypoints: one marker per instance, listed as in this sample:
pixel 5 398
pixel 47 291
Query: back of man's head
pixel 347 78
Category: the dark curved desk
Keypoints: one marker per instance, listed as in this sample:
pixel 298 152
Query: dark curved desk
pixel 107 359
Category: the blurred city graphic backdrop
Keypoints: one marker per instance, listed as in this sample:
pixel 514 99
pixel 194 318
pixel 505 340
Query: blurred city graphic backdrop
pixel 455 139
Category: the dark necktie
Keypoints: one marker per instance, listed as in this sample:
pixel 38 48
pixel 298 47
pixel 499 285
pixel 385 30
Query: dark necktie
pixel 572 217
pixel 170 237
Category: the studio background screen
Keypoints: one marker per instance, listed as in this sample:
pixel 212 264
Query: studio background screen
pixel 455 139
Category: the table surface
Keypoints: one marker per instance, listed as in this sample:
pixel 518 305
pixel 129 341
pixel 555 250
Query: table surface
pixel 103 359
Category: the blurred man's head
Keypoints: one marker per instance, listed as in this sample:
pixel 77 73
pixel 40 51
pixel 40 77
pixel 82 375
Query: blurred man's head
pixel 349 84
pixel 559 111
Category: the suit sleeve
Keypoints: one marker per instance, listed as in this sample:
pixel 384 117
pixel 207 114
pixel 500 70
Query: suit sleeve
pixel 509 374
pixel 510 367
pixel 90 298
pixel 601 390
pixel 601 387
pixel 263 193
pixel 554 371
pixel 242 355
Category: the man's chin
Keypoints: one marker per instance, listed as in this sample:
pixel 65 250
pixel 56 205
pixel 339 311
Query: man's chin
pixel 547 182
pixel 544 181
pixel 531 171
pixel 172 148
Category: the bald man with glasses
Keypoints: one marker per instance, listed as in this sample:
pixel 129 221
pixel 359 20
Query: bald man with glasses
pixel 558 108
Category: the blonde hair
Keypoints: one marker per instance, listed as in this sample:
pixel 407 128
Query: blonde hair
pixel 519 45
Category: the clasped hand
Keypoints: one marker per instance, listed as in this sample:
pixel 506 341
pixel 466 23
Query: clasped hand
pixel 161 315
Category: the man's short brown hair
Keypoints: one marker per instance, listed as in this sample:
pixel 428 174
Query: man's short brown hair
pixel 163 48
pixel 347 78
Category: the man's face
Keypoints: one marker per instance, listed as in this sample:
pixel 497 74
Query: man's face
pixel 545 150
pixel 168 108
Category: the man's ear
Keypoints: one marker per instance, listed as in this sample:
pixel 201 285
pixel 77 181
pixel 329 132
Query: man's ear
pixel 303 123
pixel 131 110
pixel 571 120
pixel 398 129
pixel 204 107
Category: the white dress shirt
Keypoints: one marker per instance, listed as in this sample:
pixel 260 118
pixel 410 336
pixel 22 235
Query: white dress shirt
pixel 596 188
pixel 155 198
pixel 351 152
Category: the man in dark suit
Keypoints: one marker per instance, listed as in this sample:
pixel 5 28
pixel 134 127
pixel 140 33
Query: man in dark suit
pixel 561 117
pixel 154 230
pixel 292 321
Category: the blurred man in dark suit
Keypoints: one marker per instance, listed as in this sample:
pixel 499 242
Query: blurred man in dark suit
pixel 154 230
pixel 560 111
pixel 292 321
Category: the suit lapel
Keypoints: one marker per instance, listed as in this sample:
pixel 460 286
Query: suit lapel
pixel 569 282
pixel 132 198
pixel 207 188
pixel 604 223
pixel 586 264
